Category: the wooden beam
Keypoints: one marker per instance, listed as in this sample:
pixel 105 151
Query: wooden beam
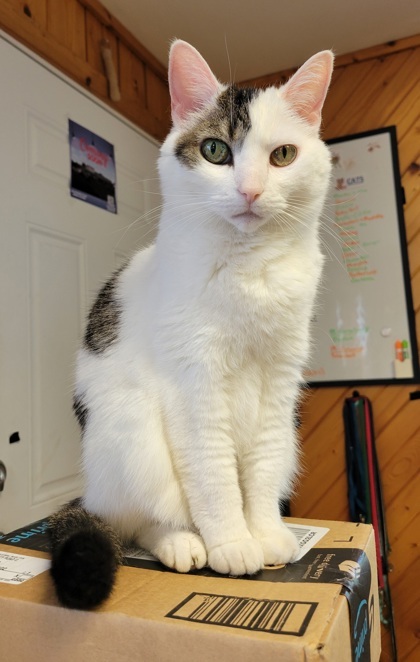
pixel 114 25
pixel 380 51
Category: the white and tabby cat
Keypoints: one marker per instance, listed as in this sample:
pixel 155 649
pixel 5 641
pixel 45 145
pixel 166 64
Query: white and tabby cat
pixel 189 375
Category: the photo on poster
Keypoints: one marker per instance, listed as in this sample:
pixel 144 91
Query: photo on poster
pixel 93 174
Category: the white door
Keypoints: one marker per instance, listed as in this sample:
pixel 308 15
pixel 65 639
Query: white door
pixel 55 251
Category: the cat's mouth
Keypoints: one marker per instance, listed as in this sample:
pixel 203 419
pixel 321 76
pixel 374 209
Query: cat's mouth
pixel 247 216
pixel 247 221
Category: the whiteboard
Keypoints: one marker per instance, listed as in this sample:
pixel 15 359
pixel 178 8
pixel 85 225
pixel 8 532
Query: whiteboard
pixel 363 328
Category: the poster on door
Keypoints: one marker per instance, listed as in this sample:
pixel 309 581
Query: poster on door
pixel 93 175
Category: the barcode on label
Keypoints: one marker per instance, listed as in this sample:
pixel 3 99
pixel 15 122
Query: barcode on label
pixel 299 533
pixel 275 616
pixel 307 536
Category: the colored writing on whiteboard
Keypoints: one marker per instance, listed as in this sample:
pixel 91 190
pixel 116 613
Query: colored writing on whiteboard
pixel 401 350
pixel 316 372
pixel 345 352
pixel 341 183
pixel 348 335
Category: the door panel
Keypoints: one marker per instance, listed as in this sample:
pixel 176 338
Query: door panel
pixel 55 251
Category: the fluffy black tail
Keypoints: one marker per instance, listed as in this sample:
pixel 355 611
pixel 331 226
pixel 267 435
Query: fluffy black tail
pixel 86 553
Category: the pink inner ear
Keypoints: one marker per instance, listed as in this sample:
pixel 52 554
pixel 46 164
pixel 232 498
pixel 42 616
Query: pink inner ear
pixel 191 82
pixel 307 89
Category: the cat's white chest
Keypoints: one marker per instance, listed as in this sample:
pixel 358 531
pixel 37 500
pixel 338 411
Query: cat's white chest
pixel 265 307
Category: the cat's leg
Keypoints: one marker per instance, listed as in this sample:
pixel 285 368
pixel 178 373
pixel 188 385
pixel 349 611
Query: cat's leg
pixel 208 463
pixel 131 480
pixel 130 476
pixel 180 549
pixel 267 468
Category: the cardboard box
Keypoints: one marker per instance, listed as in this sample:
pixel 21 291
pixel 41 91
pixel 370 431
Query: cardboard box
pixel 323 607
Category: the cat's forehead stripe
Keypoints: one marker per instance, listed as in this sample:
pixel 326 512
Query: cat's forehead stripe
pixel 228 120
pixel 234 105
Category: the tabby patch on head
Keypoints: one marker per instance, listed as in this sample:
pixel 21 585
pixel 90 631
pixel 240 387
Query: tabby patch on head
pixel 227 120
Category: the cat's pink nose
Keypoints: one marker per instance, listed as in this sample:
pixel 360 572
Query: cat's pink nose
pixel 251 195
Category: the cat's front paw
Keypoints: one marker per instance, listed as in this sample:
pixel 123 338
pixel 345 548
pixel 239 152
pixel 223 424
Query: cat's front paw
pixel 181 550
pixel 279 547
pixel 242 557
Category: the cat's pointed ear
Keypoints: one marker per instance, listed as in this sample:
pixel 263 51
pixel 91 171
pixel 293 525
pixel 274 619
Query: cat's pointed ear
pixel 307 89
pixel 191 82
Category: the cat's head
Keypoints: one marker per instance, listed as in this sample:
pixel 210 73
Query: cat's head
pixel 248 156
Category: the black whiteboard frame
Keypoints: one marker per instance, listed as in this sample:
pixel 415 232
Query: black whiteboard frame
pixel 400 201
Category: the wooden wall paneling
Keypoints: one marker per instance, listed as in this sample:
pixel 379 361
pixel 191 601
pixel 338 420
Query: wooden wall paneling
pixel 406 547
pixel 415 286
pixel 402 466
pixel 387 99
pixel 315 406
pixel 66 23
pixel 320 498
pixel 113 25
pixel 406 113
pixel 371 53
pixel 24 29
pixel 365 96
pixel 95 33
pixel 411 185
pixel 401 512
pixel 98 84
pixel 318 458
pixel 36 10
pixel 153 112
pixel 409 149
pixel 140 102
pixel 345 87
pixel 132 81
pixel 388 404
pixel 405 597
pixel 379 51
pixel 414 252
pixel 157 97
pixel 332 504
pixel 402 515
pixel 336 76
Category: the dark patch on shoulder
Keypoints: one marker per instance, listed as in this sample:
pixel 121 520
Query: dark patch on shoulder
pixel 104 318
pixel 227 120
pixel 81 411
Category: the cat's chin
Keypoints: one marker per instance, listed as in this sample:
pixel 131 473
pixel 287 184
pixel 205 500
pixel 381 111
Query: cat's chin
pixel 247 222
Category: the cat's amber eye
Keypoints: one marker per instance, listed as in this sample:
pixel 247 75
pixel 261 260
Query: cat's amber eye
pixel 216 151
pixel 283 155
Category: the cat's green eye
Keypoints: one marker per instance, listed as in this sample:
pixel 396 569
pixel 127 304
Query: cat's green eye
pixel 216 151
pixel 283 155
